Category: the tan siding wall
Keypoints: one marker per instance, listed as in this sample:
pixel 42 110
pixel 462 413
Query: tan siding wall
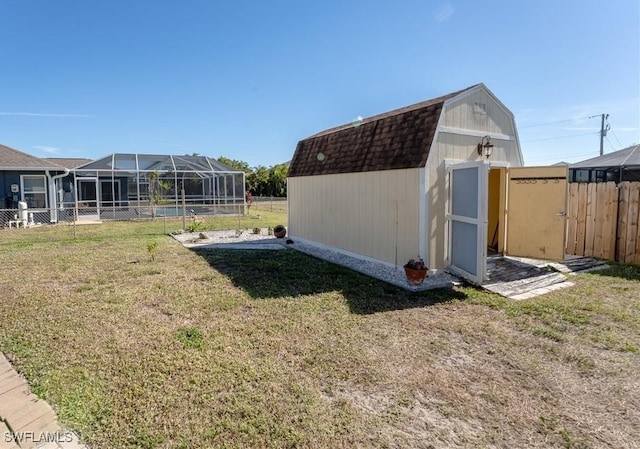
pixel 356 212
pixel 461 114
pixel 461 148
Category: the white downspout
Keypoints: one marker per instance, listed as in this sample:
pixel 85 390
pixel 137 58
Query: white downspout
pixel 54 197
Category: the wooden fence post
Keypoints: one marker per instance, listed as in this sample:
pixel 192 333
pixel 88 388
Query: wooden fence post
pixel 623 211
pixel 598 235
pixel 636 258
pixel 610 221
pixel 581 221
pixel 590 222
pixel 632 223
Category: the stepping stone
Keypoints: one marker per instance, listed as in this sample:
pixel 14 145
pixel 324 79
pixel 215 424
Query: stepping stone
pixel 4 444
pixel 28 414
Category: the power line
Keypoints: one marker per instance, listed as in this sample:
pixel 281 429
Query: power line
pixel 610 143
pixel 561 137
pixel 553 123
pixel 617 140
pixel 559 156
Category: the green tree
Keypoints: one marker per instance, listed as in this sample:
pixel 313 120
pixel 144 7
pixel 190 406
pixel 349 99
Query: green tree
pixel 238 165
pixel 261 180
pixel 278 180
pixel 157 189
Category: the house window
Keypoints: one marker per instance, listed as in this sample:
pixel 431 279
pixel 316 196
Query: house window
pixel 34 191
pixel 480 108
pixel 580 175
pixel 613 175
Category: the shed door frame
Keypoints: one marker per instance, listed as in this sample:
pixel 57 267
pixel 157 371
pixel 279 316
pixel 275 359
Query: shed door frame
pixel 467 245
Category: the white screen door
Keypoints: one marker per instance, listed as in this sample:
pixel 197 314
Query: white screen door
pixel 467 220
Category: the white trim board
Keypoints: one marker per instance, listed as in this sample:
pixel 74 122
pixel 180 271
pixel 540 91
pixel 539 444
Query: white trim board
pixel 474 133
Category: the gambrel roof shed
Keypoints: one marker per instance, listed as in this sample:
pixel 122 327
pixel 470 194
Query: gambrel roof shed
pixel 378 187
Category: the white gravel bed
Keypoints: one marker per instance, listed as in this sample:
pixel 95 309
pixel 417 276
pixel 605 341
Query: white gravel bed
pixel 244 239
pixel 391 275
pixel 247 239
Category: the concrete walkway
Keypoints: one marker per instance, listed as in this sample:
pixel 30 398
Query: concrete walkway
pixel 523 278
pixel 25 420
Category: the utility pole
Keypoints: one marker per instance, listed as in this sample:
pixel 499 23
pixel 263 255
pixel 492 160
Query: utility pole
pixel 603 130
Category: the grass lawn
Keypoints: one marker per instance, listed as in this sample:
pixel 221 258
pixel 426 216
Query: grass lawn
pixel 276 349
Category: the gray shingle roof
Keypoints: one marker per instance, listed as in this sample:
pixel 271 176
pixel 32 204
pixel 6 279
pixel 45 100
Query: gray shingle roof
pixel 627 157
pixel 14 159
pixel 393 140
pixel 69 162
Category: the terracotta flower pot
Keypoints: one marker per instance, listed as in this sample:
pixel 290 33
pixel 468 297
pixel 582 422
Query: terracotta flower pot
pixel 280 231
pixel 415 277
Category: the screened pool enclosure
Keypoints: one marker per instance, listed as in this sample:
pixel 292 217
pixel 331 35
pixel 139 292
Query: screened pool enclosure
pixel 124 186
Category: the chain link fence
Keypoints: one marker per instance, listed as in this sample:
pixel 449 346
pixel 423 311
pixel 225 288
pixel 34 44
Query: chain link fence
pixel 29 218
pixel 270 203
pixel 66 222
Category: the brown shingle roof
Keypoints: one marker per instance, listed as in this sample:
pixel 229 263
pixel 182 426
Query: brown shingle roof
pixel 393 140
pixel 14 159
pixel 69 162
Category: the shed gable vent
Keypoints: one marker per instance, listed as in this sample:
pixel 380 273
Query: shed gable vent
pixel 480 108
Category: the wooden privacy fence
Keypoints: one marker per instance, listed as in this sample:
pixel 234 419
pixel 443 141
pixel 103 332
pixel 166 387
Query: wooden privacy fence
pixel 603 221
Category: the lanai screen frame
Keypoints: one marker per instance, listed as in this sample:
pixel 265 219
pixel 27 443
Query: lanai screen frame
pixel 222 186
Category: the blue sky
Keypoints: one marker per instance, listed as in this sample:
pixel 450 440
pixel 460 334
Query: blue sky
pixel 247 80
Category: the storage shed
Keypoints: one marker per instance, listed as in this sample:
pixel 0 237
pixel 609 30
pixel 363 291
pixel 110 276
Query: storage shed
pixel 428 180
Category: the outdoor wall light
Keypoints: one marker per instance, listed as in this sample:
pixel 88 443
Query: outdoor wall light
pixel 485 147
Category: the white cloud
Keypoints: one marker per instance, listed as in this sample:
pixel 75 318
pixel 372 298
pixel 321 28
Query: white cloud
pixel 445 11
pixel 44 149
pixel 44 114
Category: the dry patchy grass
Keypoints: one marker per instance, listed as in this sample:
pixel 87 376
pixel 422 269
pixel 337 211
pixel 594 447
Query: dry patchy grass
pixel 277 349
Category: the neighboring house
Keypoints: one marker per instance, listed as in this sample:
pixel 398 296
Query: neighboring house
pixel 115 184
pixel 621 165
pixel 427 180
pixel 32 180
pixel 121 184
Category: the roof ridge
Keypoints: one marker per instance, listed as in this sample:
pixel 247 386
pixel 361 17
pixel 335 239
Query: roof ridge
pixel 391 113
pixel 41 163
pixel 629 155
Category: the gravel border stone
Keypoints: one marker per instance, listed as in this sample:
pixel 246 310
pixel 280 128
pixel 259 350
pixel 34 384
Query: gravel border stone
pixel 390 275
